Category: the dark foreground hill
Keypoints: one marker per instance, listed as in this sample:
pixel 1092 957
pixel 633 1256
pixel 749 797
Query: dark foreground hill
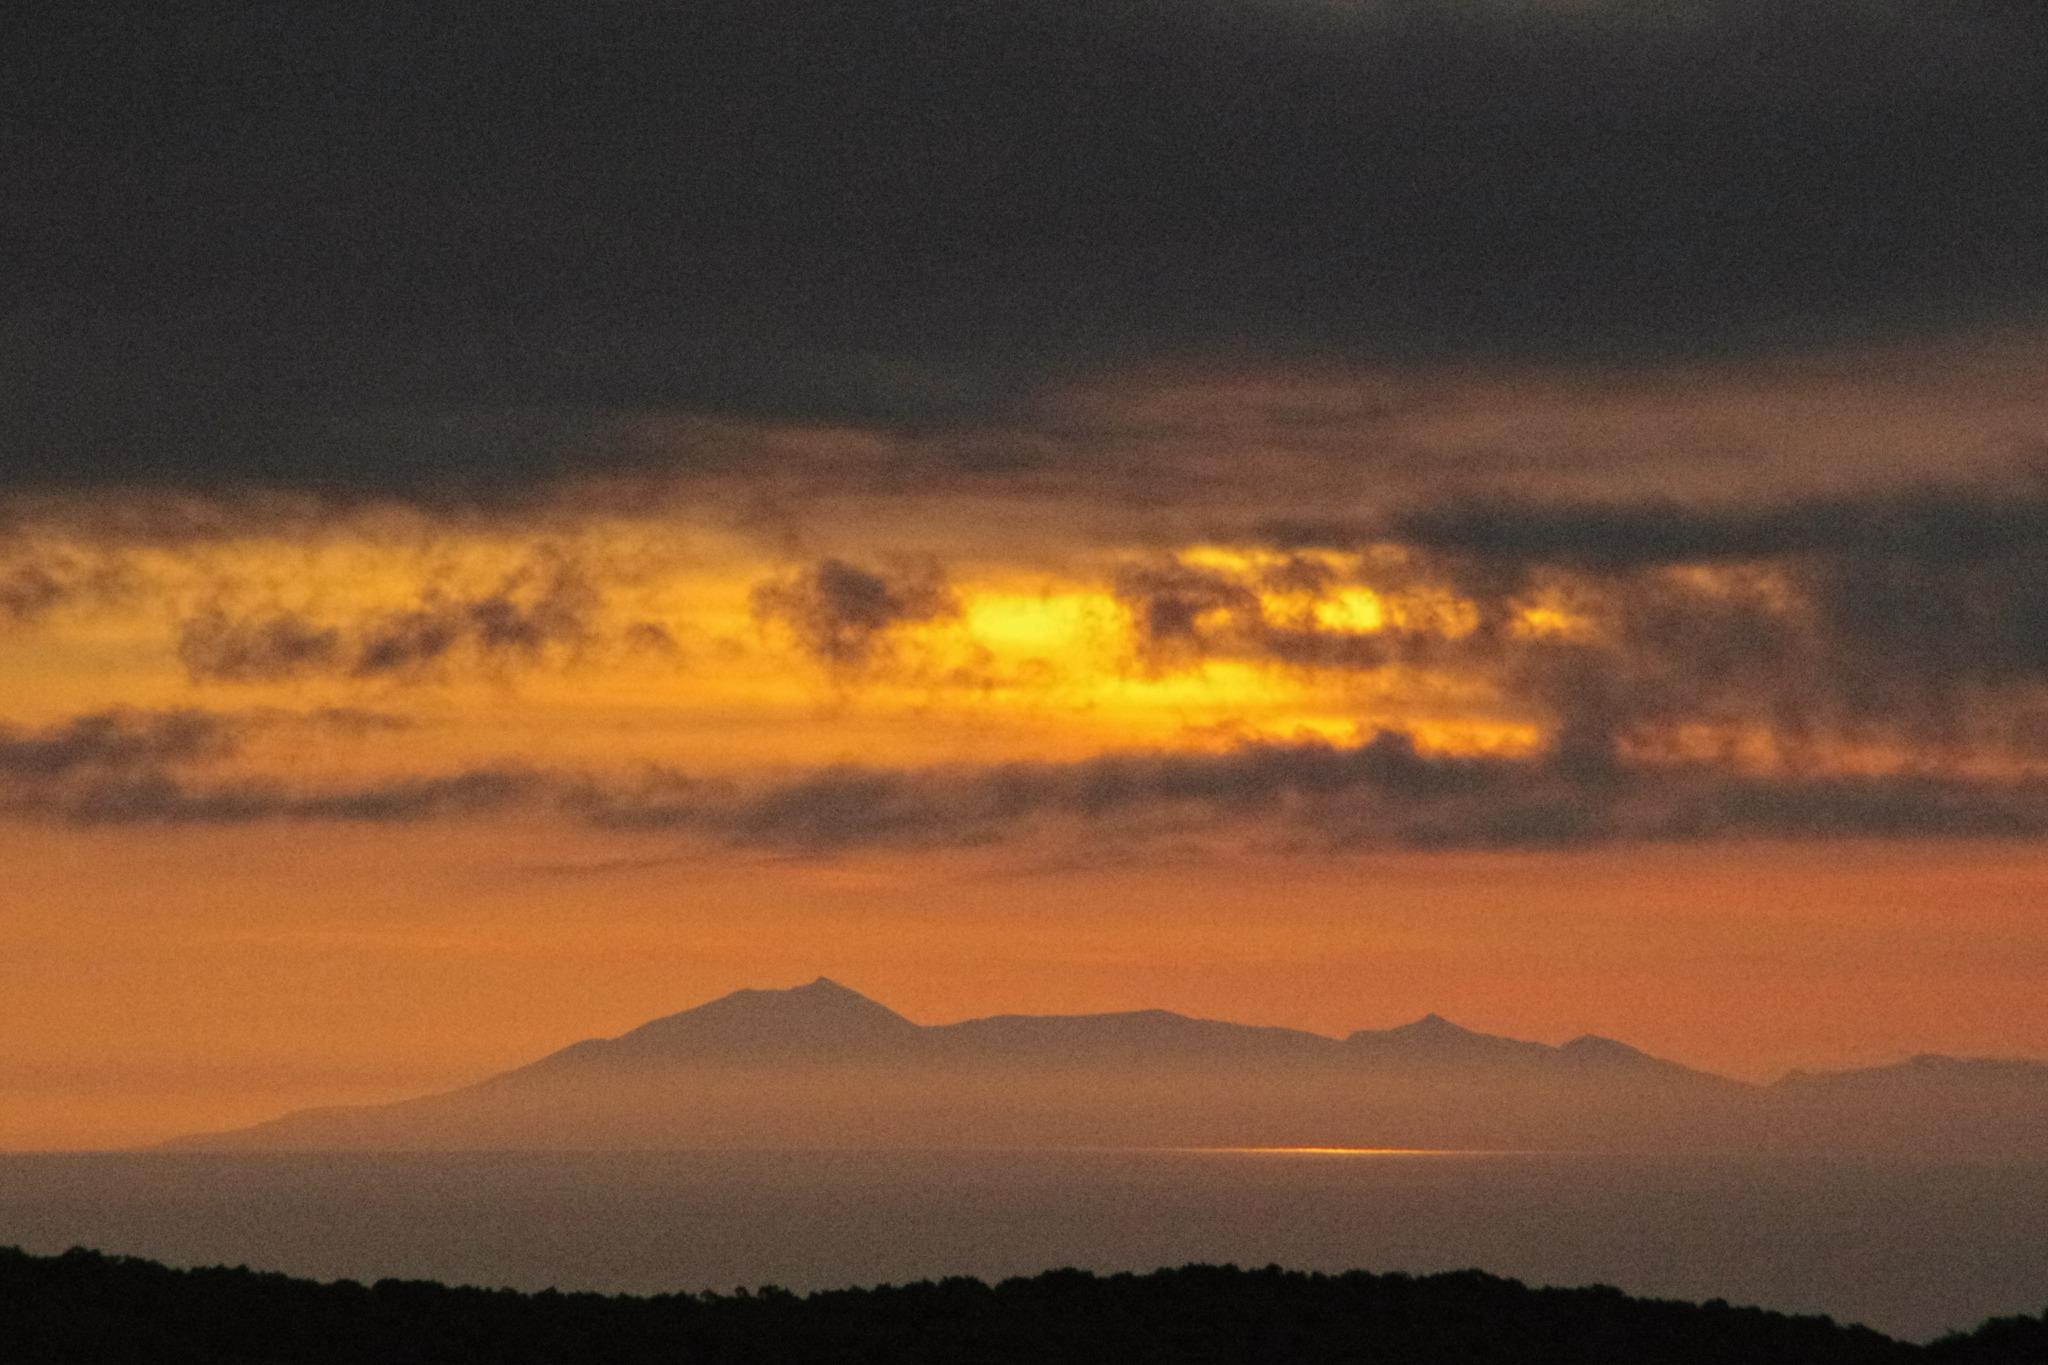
pixel 84 1308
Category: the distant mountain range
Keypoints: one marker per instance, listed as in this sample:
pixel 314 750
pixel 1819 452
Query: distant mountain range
pixel 823 1066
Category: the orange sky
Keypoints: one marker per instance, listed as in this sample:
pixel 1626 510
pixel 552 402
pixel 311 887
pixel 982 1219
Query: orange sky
pixel 303 804
pixel 174 981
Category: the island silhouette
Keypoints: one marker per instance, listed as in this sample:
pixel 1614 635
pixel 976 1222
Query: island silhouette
pixel 823 1066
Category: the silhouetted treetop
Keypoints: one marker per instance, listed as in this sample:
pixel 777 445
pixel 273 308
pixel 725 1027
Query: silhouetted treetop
pixel 85 1308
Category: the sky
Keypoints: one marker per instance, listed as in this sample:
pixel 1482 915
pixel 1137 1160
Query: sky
pixel 519 521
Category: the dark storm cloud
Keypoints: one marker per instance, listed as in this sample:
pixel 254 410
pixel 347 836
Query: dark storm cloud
pixel 1919 616
pixel 1927 526
pixel 375 249
pixel 535 609
pixel 1173 606
pixel 842 614
pixel 30 591
pixel 1180 613
pixel 166 799
pixel 130 743
pixel 1381 793
pixel 1378 794
pixel 130 766
pixel 1944 584
pixel 27 591
pixel 216 645
pixel 38 579
pixel 846 807
pixel 121 740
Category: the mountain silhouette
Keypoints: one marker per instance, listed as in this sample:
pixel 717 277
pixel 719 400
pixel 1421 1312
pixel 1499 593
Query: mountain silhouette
pixel 1927 1071
pixel 1136 1035
pixel 821 1020
pixel 820 1065
pixel 1986 1105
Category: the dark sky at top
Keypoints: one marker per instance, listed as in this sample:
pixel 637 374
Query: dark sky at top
pixel 306 245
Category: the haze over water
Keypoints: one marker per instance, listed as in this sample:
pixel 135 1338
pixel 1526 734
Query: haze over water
pixel 1912 1248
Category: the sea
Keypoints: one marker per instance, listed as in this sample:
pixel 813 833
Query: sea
pixel 1913 1248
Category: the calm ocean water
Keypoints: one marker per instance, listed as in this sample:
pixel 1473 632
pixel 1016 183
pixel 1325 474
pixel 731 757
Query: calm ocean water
pixel 1909 1248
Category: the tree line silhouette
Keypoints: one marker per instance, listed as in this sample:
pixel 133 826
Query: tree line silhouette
pixel 86 1308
